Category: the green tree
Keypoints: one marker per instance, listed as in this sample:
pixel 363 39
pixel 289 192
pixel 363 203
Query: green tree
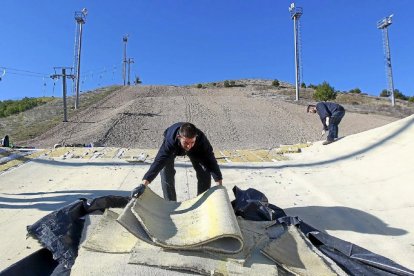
pixel 275 83
pixel 324 92
pixel 232 83
pixel 355 91
pixel 199 85
pixel 411 99
pixel 226 83
pixel 312 86
pixel 303 85
pixel 384 93
pixel 399 95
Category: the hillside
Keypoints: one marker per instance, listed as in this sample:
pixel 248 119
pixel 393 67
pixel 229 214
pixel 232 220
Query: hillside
pixel 34 122
pixel 252 114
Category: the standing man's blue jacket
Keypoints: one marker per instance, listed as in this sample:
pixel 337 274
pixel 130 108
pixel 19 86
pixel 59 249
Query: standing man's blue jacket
pixel 170 148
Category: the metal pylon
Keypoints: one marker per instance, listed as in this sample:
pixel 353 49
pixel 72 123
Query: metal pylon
pixel 80 20
pixel 383 25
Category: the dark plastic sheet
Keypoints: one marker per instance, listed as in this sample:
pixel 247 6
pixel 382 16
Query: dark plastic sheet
pixel 253 205
pixel 59 232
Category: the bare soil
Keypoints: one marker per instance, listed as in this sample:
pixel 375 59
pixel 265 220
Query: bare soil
pixel 251 115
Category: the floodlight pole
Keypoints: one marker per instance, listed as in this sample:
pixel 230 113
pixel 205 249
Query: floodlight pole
pixel 80 20
pixel 125 40
pixel 130 60
pixel 383 25
pixel 295 13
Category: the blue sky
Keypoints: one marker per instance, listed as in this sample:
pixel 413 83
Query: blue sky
pixel 194 41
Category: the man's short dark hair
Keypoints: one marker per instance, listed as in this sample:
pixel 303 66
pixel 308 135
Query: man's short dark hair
pixel 188 130
pixel 310 106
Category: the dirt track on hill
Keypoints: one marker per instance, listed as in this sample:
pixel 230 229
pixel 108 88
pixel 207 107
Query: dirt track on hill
pixel 232 118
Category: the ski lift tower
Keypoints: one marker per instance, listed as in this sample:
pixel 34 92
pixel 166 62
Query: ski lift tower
pixel 80 20
pixel 295 13
pixel 383 25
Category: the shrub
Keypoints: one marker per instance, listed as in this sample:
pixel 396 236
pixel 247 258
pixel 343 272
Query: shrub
pixel 312 86
pixel 275 83
pixel 355 91
pixel 10 107
pixel 232 83
pixel 226 83
pixel 324 92
pixel 411 99
pixel 397 94
pixel 303 85
pixel 384 93
pixel 199 85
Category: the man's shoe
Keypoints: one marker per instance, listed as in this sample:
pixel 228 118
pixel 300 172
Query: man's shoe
pixel 327 142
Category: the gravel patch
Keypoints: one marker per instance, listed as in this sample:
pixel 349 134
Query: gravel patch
pixel 250 117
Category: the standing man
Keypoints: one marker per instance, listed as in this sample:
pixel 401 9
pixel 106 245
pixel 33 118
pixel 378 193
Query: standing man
pixel 182 139
pixel 331 115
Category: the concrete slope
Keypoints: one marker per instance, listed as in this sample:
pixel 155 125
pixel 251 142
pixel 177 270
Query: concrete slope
pixel 359 188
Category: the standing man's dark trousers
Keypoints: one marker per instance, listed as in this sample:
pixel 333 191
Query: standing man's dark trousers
pixel 333 125
pixel 168 178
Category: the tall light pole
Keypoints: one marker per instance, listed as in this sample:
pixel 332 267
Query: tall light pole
pixel 125 40
pixel 80 20
pixel 295 13
pixel 383 25
pixel 130 60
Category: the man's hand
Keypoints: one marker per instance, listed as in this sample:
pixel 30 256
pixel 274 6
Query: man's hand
pixel 220 182
pixel 138 191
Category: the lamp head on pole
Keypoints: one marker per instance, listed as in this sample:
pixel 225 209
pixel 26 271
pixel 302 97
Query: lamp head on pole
pixel 385 22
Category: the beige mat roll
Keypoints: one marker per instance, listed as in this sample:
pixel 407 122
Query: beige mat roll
pixel 206 222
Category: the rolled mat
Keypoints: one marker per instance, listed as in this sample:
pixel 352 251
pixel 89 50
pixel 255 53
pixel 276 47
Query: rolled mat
pixel 206 222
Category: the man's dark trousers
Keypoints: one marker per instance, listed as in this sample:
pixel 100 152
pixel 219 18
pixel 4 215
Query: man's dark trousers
pixel 333 125
pixel 168 178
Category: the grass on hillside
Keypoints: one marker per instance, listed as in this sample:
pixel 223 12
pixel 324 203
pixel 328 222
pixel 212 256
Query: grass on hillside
pixel 11 107
pixel 358 103
pixel 34 122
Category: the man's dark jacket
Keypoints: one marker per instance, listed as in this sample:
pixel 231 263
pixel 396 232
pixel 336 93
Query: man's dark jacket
pixel 201 152
pixel 327 109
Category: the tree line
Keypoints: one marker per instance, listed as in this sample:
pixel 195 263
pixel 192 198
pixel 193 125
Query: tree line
pixel 325 92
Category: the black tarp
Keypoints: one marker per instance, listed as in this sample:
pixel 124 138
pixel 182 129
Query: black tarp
pixel 254 205
pixel 351 258
pixel 59 232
